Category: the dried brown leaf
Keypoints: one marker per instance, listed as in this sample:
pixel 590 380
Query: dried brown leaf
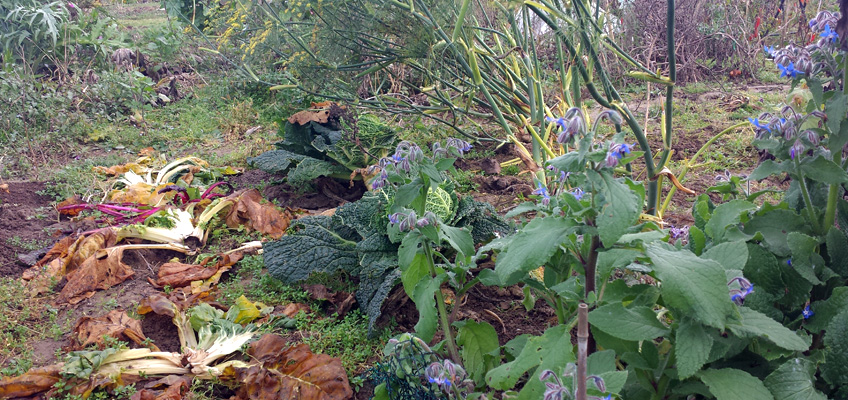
pixel 177 389
pixel 342 302
pixel 176 274
pixel 34 381
pixel 291 372
pixel 116 324
pixel 101 271
pixel 252 213
pixel 65 206
pixel 291 309
pixel 306 116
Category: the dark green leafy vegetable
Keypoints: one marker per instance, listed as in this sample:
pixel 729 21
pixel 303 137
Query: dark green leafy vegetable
pixel 356 240
pixel 332 149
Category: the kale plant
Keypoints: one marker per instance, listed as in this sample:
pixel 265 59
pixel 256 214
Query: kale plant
pixel 361 240
pixel 329 142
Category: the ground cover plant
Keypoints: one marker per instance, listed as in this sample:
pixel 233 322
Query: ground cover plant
pixel 469 199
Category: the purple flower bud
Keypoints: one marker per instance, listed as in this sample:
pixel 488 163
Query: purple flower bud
pixel 812 137
pixel 797 149
pixel 599 382
pixel 611 160
pixel 395 218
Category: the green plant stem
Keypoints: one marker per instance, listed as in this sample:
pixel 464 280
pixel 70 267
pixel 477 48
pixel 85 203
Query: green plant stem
pixel 833 191
pixel 591 264
pixel 806 195
pixel 691 162
pixel 672 75
pixel 440 305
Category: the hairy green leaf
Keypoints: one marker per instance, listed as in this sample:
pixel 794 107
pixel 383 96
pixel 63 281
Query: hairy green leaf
pixel 835 368
pixel 531 247
pixel 478 340
pixel 620 207
pixel 725 215
pixel 634 323
pixel 694 286
pixel 731 255
pixel 692 347
pixel 734 384
pixel 794 380
pixel 757 324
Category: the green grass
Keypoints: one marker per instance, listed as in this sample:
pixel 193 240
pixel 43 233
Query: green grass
pixel 345 338
pixel 138 15
pixel 24 320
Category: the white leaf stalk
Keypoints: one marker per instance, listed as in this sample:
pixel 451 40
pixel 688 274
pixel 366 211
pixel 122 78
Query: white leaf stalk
pixel 182 229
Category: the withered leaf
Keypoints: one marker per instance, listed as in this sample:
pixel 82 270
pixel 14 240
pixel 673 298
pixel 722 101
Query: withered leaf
pixel 342 302
pixel 66 207
pixel 34 381
pixel 101 271
pixel 291 372
pixel 265 218
pixel 306 116
pixel 176 390
pixel 291 309
pixel 115 324
pixel 176 274
pixel 158 304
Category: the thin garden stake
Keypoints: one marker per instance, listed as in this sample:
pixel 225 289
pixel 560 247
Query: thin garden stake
pixel 582 349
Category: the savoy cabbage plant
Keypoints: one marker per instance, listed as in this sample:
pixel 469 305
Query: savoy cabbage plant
pixel 336 148
pixel 357 240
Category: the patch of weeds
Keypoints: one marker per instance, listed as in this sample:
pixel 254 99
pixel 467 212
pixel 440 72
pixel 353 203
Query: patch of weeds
pixel 695 88
pixel 208 389
pixel 21 324
pixel 511 170
pixel 345 338
pixel 28 245
pixel 252 281
pixel 17 366
pixel 464 181
pixel 77 176
pixel 110 304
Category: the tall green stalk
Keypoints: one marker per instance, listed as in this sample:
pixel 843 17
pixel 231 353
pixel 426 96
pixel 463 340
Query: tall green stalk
pixel 835 189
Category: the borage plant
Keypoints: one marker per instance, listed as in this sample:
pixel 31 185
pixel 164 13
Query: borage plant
pixel 672 321
pixel 424 231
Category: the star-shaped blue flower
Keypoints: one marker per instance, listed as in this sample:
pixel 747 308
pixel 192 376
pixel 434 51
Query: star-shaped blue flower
pixel 788 71
pixel 807 313
pixel 830 34
pixel 756 122
pixel 769 50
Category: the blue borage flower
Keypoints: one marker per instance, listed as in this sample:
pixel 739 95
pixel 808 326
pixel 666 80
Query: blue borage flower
pixel 807 312
pixel 756 123
pixel 745 288
pixel 769 50
pixel 571 124
pixel 410 221
pixel 444 374
pixel 829 34
pixel 616 152
pixel 542 191
pixel 556 390
pixel 675 234
pixel 789 71
pixel 577 193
